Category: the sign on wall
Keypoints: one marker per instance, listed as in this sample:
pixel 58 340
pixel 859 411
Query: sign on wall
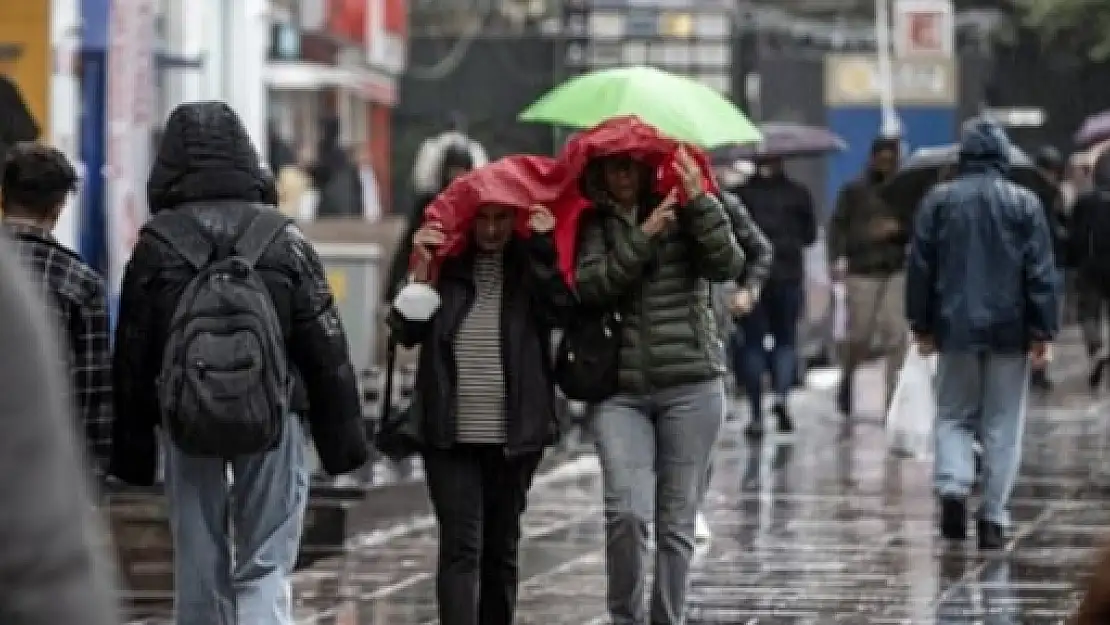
pixel 924 28
pixel 854 79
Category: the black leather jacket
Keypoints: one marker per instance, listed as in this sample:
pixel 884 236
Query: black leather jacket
pixel 316 344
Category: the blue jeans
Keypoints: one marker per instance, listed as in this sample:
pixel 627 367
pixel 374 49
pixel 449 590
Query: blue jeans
pixel 654 452
pixel 775 314
pixel 235 543
pixel 980 394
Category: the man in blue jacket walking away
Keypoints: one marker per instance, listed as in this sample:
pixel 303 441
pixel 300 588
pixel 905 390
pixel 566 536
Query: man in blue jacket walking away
pixel 982 289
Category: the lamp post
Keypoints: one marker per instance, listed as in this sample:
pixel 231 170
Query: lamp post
pixel 891 124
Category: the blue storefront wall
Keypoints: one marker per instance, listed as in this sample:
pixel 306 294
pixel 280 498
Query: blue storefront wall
pixel 859 125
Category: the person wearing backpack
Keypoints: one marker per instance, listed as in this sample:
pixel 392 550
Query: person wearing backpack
pixel 229 342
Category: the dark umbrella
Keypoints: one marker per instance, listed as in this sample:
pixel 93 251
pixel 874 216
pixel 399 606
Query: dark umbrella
pixel 1095 129
pixel 785 140
pixel 924 167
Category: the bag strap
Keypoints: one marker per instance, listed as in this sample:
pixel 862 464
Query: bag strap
pixel 263 228
pixel 390 365
pixel 184 235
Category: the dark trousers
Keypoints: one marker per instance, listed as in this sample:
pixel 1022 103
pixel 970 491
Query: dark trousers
pixel 478 495
pixel 775 314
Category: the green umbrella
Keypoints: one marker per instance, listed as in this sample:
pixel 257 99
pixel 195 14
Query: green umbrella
pixel 679 107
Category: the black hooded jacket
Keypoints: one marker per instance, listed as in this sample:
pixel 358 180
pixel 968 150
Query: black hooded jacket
pixel 207 167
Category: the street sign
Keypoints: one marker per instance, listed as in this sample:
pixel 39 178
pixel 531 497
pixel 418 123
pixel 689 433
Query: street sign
pixel 924 28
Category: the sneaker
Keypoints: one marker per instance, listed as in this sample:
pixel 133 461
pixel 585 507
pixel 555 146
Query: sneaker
pixel 754 430
pixel 992 536
pixel 1095 379
pixel 953 518
pixel 782 415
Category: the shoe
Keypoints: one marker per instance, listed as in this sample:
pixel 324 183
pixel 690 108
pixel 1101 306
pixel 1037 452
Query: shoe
pixel 844 399
pixel 754 430
pixel 1095 380
pixel 782 415
pixel 1040 381
pixel 992 536
pixel 953 518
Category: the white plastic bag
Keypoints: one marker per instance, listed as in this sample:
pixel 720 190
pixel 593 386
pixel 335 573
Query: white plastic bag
pixel 913 409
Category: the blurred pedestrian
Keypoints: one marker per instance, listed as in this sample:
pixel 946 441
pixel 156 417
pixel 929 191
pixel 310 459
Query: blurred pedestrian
pixel 867 241
pixel 53 569
pixel 455 161
pixel 16 122
pixel 734 299
pixel 238 401
pixel 294 188
pixel 1090 254
pixel 783 210
pixel 982 290
pixel 1050 164
pixel 335 176
pixel 36 182
pixel 656 435
pixel 483 437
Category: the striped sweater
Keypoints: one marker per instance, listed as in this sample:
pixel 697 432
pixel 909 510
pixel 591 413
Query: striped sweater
pixel 481 375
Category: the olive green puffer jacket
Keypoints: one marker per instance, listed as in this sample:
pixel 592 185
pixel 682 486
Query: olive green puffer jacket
pixel 660 285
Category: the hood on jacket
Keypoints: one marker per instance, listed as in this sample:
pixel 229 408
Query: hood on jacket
pixel 983 146
pixel 206 155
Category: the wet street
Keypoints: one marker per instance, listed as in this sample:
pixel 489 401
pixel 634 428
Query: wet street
pixel 821 527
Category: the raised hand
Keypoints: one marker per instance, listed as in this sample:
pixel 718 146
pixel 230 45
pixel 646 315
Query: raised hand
pixel 427 239
pixel 689 173
pixel 662 216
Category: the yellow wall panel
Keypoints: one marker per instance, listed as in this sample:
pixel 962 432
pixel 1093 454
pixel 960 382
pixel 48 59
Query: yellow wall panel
pixel 26 24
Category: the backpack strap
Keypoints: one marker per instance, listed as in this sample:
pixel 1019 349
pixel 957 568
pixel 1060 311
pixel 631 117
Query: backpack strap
pixel 260 233
pixel 184 235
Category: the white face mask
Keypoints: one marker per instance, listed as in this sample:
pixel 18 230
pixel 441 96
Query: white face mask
pixel 417 302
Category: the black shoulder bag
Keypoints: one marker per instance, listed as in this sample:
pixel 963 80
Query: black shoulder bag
pixel 398 434
pixel 588 358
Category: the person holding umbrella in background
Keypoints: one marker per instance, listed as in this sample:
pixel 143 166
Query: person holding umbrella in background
pixel 783 210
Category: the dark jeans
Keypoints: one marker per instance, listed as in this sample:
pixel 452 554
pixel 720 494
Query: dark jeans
pixel 479 495
pixel 775 314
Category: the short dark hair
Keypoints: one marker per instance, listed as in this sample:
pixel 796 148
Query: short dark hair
pixel 36 180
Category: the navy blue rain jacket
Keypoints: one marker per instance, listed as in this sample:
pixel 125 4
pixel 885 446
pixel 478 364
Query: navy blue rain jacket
pixel 981 273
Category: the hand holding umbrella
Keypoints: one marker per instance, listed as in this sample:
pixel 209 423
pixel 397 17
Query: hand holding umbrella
pixel 424 243
pixel 662 216
pixel 689 174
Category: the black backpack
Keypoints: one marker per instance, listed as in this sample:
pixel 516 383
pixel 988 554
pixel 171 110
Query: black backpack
pixel 225 380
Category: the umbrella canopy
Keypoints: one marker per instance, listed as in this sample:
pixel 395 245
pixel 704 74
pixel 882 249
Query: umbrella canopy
pixel 785 140
pixel 923 169
pixel 681 108
pixel 1095 129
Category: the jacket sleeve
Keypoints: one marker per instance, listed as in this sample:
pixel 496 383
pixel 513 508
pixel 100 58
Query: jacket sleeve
pixel 602 274
pixel 52 568
pixel 756 246
pixel 840 226
pixel 318 348
pixel 553 299
pixel 92 377
pixel 719 255
pixel 134 370
pixel 921 269
pixel 1042 289
pixel 1079 232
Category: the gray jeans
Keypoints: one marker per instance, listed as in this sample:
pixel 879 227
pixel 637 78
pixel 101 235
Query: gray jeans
pixel 654 452
pixel 980 395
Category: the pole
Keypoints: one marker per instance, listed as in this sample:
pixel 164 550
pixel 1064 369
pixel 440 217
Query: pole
pixel 891 125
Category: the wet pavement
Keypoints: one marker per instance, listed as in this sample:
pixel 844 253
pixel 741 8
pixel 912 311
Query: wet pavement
pixel 821 527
